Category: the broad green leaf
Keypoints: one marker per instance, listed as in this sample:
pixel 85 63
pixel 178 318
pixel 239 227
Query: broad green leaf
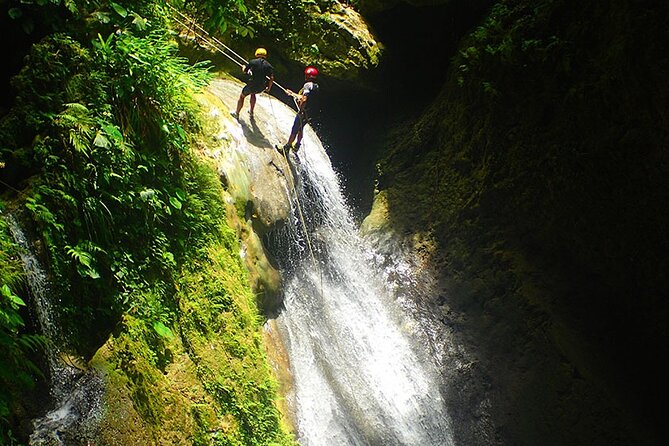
pixel 162 330
pixel 101 141
pixel 92 273
pixel 174 201
pixel 168 256
pixel 71 6
pixel 181 195
pixel 147 194
pixel 112 131
pixel 120 10
pixel 181 132
pixel 13 298
pixel 102 17
pixel 139 22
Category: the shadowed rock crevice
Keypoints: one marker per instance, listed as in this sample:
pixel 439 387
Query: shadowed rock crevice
pixel 537 173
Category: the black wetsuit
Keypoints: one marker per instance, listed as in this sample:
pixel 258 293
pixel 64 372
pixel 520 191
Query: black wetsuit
pixel 259 70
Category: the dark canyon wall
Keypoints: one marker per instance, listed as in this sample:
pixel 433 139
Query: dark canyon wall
pixel 538 178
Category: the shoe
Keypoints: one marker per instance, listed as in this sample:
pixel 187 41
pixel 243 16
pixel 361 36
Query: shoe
pixel 234 115
pixel 296 147
pixel 250 115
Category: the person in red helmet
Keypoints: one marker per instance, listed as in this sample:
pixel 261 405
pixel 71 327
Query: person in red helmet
pixel 306 100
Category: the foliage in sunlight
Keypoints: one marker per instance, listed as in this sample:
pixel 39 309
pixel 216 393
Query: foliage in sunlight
pixel 101 130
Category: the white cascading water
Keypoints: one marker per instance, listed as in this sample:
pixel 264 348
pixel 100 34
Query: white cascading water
pixel 75 395
pixel 359 379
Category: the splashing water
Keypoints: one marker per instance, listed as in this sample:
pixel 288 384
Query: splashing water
pixel 360 378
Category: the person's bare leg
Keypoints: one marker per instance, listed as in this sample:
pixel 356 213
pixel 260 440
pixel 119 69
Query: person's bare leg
pixel 240 103
pixel 252 104
pixel 298 142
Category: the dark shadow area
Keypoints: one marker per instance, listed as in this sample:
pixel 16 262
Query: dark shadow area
pixel 253 134
pixel 543 194
pixel 17 36
pixel 16 44
pixel 419 44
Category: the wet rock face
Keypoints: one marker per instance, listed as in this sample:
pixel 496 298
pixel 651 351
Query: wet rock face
pixel 543 281
pixel 347 44
pixel 75 419
pixel 256 176
pixel 325 33
pixel 254 172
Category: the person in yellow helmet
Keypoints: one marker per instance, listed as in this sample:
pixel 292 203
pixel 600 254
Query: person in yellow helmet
pixel 261 78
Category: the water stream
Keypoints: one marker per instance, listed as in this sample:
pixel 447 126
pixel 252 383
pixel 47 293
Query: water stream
pixel 361 377
pixel 75 394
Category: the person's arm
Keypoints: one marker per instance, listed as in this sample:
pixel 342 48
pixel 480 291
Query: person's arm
pixel 304 95
pixel 300 99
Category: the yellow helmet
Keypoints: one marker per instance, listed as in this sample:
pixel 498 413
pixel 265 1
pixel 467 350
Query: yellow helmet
pixel 261 52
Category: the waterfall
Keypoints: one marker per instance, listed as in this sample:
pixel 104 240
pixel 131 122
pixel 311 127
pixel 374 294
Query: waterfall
pixel 362 373
pixel 75 394
pixel 360 378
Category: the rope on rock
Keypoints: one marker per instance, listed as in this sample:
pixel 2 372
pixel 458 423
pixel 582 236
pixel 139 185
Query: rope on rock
pixel 239 60
pixel 213 41
pixel 12 188
pixel 297 198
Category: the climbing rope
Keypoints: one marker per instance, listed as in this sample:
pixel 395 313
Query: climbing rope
pixel 297 198
pixel 299 208
pixel 240 61
pixel 214 42
pixel 12 188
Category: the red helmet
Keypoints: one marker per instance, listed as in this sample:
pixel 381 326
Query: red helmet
pixel 311 72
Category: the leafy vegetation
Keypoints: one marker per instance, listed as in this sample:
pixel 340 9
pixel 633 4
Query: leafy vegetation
pixel 106 159
pixel 100 138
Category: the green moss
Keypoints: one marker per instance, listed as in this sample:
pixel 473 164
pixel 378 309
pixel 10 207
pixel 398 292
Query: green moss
pixel 206 383
pixel 133 225
pixel 148 397
pixel 221 321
